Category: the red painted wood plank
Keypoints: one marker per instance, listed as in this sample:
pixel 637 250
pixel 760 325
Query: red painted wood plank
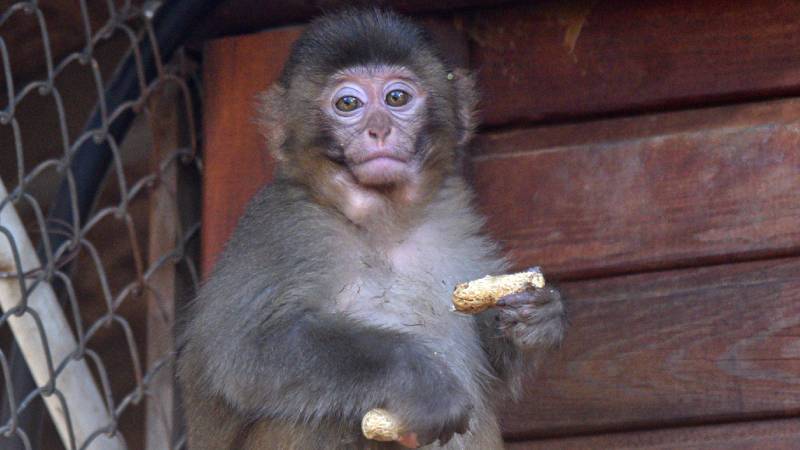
pixel 645 199
pixel 553 60
pixel 781 434
pixel 243 16
pixel 236 160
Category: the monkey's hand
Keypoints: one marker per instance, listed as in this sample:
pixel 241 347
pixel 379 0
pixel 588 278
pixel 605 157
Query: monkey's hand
pixel 430 403
pixel 535 318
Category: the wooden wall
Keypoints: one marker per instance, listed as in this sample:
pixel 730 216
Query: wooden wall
pixel 647 155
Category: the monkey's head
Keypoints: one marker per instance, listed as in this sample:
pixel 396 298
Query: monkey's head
pixel 366 114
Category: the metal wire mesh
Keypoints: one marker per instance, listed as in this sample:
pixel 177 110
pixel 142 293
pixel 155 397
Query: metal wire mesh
pixel 112 272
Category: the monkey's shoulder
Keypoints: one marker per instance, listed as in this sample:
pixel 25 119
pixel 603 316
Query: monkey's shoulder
pixel 281 233
pixel 280 219
pixel 276 204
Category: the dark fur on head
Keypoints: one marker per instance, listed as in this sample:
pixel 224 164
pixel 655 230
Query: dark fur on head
pixel 334 42
pixel 363 37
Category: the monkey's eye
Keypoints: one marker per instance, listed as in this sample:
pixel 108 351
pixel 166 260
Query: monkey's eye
pixel 397 98
pixel 348 103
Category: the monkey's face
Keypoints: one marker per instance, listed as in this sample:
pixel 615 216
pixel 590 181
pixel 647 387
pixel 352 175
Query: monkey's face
pixel 374 116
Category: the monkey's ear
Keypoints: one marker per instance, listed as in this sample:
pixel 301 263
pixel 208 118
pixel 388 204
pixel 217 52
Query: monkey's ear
pixel 272 120
pixel 466 104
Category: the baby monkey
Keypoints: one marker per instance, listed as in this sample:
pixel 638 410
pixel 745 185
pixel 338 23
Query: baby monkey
pixel 333 296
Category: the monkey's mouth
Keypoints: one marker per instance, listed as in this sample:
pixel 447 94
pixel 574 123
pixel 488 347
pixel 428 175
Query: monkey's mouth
pixel 372 155
pixel 380 168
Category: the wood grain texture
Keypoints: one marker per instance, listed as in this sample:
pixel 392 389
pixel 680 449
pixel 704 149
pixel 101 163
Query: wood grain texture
pixel 242 16
pixel 646 200
pixel 554 59
pixel 783 434
pixel 164 121
pixel 601 131
pixel 668 348
pixel 237 162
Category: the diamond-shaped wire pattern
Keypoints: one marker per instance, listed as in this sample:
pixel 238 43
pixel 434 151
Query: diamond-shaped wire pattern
pixel 108 270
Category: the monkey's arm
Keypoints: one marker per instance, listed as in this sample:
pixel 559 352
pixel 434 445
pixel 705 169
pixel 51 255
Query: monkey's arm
pixel 520 329
pixel 302 364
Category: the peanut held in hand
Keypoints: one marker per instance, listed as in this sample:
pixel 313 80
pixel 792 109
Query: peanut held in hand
pixel 479 295
pixel 379 425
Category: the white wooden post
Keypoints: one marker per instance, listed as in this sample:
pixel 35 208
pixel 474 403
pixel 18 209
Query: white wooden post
pixel 86 410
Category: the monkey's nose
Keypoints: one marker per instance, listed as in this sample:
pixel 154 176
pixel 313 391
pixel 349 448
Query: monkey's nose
pixel 379 133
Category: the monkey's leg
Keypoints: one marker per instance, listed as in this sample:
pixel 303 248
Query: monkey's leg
pixel 211 424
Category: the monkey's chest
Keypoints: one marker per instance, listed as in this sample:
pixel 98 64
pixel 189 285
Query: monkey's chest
pixel 407 289
pixel 396 300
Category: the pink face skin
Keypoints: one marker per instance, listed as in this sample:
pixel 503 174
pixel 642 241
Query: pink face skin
pixel 376 115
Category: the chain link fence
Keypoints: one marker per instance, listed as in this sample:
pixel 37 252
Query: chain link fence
pixel 98 234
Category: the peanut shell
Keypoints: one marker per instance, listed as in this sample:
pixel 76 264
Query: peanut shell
pixel 379 425
pixel 479 295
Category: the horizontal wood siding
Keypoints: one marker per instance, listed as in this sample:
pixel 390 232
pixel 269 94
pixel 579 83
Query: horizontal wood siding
pixel 557 59
pixel 663 348
pixel 782 434
pixel 674 199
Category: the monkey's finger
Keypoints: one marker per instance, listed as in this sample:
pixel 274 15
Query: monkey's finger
pixel 463 426
pixel 535 269
pixel 445 437
pixel 535 297
pixel 520 299
pixel 429 436
pixel 516 299
pixel 409 440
